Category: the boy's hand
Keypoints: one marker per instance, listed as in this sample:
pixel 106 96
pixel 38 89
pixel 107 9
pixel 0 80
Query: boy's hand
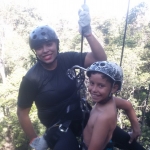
pixel 39 143
pixel 84 20
pixel 133 136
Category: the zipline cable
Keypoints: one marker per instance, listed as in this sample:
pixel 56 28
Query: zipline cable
pixel 124 37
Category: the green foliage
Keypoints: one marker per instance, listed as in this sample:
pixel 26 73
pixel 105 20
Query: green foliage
pixel 145 138
pixel 145 67
pixel 147 118
pixel 13 134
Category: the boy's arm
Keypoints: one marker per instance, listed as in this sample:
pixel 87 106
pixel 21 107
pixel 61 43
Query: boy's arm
pixel 99 134
pixel 127 107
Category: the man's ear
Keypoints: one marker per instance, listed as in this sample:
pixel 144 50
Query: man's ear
pixel 115 88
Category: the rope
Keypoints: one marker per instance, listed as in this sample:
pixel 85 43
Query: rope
pixel 124 37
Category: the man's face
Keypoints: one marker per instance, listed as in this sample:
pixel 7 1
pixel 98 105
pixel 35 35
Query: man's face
pixel 99 87
pixel 47 52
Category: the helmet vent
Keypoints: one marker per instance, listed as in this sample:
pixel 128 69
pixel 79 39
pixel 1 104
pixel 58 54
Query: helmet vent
pixel 43 33
pixel 102 64
pixel 34 37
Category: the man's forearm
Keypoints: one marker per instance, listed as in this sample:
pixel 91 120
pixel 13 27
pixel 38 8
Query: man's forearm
pixel 27 127
pixel 97 49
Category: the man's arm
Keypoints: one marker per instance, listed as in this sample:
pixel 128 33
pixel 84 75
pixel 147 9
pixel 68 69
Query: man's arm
pixel 99 137
pixel 97 54
pixel 25 122
pixel 127 107
pixel 38 143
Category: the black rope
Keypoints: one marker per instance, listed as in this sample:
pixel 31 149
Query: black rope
pixel 124 37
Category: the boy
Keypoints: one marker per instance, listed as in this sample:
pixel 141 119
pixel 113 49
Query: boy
pixel 105 79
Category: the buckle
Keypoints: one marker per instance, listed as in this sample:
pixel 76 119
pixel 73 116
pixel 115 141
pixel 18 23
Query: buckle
pixel 62 128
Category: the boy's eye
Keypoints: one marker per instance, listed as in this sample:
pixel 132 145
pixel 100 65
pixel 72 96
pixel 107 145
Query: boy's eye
pixel 90 83
pixel 101 85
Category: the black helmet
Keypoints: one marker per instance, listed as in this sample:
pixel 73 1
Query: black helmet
pixel 41 35
pixel 108 68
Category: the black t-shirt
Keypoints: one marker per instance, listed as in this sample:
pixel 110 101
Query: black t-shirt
pixel 52 90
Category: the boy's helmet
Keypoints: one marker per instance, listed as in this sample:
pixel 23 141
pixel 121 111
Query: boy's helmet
pixel 41 35
pixel 108 68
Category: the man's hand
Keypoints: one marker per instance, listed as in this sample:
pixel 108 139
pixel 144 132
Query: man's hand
pixel 84 20
pixel 133 136
pixel 39 143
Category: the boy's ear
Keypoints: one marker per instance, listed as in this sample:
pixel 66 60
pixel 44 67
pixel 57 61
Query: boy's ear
pixel 115 88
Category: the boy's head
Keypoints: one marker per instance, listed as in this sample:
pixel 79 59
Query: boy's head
pixel 105 78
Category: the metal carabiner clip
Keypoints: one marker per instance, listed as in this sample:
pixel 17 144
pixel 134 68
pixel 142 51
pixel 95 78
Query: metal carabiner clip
pixel 62 129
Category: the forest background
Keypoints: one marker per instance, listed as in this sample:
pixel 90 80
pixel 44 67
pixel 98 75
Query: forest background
pixel 16 22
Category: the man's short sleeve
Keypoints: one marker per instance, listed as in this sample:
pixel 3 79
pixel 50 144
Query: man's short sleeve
pixel 79 58
pixel 74 58
pixel 27 93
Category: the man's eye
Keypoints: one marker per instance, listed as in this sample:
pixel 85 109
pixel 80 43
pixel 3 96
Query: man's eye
pixel 49 44
pixel 38 48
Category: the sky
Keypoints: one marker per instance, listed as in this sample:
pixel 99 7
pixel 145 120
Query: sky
pixel 68 9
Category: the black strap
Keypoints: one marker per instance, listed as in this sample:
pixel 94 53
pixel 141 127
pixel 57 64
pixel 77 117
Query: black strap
pixel 67 106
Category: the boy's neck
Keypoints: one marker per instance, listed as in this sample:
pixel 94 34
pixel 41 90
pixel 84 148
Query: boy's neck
pixel 103 102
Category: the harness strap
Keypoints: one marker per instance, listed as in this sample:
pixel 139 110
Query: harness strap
pixel 72 107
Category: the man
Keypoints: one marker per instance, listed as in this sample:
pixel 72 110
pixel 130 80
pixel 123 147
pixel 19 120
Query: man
pixel 54 94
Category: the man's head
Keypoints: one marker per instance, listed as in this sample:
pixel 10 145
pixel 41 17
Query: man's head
pixel 45 42
pixel 105 78
pixel 41 35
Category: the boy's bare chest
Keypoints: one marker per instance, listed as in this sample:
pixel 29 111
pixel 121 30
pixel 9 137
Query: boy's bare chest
pixel 94 115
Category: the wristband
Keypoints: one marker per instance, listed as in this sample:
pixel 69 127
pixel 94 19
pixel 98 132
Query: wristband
pixel 32 140
pixel 88 35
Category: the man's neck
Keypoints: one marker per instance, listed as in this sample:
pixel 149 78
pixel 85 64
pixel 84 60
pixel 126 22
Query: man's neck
pixel 50 66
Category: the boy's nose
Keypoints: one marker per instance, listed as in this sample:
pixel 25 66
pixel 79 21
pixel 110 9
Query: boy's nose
pixel 94 88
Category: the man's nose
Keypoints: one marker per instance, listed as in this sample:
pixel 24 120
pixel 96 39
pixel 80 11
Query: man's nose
pixel 45 48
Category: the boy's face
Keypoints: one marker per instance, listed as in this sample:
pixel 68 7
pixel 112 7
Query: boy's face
pixel 99 87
